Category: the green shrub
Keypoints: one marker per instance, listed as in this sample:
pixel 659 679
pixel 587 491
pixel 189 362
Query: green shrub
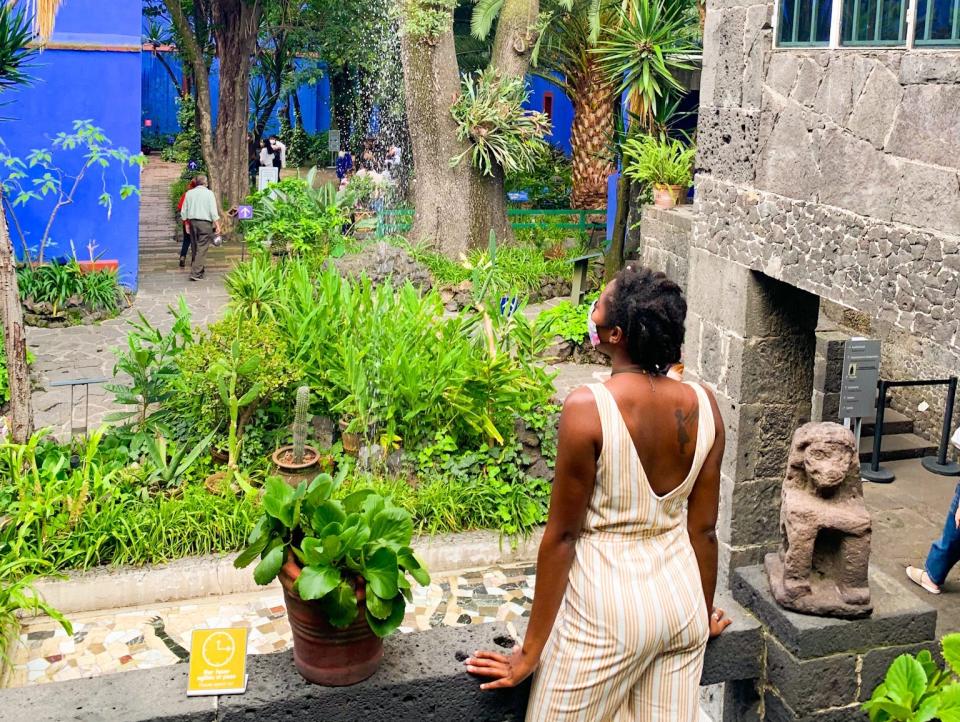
pixel 196 400
pixel 566 320
pixel 659 161
pixel 58 283
pixel 187 146
pixel 293 215
pixel 548 182
pixel 915 688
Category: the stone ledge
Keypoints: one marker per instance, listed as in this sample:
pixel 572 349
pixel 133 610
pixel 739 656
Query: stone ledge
pixel 194 577
pixel 421 679
pixel 899 618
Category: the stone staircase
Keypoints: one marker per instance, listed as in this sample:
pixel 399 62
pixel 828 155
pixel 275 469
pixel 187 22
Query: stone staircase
pixel 898 440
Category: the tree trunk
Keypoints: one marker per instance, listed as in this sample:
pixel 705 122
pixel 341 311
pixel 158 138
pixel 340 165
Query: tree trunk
pixel 14 340
pixel 515 37
pixel 613 260
pixel 455 208
pixel 236 25
pixel 593 126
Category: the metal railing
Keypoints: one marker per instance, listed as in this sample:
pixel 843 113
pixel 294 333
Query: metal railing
pixel 938 464
pixel 391 221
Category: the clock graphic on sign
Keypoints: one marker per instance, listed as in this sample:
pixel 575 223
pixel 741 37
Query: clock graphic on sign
pixel 218 649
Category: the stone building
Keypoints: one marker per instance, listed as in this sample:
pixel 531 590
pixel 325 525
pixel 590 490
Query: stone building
pixel 827 193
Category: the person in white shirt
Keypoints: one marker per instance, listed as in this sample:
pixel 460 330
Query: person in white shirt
pixel 266 155
pixel 280 152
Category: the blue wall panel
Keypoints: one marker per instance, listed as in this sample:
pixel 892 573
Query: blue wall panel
pixel 562 109
pixel 159 96
pixel 96 85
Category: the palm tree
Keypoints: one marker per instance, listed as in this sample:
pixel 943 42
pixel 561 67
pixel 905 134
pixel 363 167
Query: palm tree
pixel 562 55
pixel 15 54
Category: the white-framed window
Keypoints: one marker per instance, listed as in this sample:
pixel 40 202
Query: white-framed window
pixel 868 23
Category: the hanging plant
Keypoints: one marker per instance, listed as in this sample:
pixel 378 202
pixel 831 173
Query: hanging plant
pixel 490 114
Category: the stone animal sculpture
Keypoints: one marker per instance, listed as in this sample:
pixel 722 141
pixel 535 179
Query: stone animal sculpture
pixel 822 565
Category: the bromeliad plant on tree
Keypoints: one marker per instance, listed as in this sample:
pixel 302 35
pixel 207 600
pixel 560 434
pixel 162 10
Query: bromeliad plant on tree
pixel 343 565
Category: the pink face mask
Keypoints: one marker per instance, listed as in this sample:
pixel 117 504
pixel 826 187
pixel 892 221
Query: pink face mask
pixel 592 327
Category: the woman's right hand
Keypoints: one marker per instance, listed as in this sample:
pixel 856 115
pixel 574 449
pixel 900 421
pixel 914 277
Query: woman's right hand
pixel 718 622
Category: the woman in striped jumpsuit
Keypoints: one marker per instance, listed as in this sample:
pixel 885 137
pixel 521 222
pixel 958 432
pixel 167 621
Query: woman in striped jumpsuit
pixel 627 567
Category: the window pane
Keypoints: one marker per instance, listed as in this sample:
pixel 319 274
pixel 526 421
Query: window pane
pixel 874 22
pixel 804 22
pixel 942 27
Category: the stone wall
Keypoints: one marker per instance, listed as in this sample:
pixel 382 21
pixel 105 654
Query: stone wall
pixel 836 172
pixel 664 240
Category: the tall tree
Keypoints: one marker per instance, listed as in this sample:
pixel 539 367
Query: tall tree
pixel 235 25
pixel 570 29
pixel 456 206
pixel 15 54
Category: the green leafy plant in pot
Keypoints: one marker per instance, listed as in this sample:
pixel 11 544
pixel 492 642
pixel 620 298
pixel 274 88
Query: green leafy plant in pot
pixel 343 565
pixel 664 163
pixel 295 461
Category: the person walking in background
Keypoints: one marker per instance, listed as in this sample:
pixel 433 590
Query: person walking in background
pixel 627 568
pixel 202 217
pixel 188 244
pixel 279 151
pixel 944 553
pixel 344 164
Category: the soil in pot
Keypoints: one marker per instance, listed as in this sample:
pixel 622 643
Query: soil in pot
pixel 322 653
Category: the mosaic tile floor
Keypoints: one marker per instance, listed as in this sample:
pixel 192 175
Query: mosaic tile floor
pixel 142 637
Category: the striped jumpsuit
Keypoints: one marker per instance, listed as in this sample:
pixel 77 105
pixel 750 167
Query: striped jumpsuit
pixel 629 639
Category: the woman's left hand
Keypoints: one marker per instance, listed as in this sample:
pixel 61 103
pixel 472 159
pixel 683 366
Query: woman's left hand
pixel 506 670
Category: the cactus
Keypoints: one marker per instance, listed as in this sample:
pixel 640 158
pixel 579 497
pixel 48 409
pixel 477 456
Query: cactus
pixel 300 423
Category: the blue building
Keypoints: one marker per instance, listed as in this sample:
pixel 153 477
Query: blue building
pixel 550 99
pixel 90 70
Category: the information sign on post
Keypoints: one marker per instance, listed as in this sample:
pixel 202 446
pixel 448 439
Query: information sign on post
pixel 333 141
pixel 858 386
pixel 268 175
pixel 218 662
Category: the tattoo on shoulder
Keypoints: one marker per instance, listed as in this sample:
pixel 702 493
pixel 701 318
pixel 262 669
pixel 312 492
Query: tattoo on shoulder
pixel 683 436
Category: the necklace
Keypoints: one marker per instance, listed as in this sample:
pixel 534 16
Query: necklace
pixel 634 370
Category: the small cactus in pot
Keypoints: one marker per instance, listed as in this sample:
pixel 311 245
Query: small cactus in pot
pixel 295 461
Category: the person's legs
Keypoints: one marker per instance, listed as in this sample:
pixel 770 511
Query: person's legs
pixel 185 246
pixel 202 235
pixel 945 552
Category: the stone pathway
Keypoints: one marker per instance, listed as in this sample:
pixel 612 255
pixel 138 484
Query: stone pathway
pixel 142 637
pixel 86 352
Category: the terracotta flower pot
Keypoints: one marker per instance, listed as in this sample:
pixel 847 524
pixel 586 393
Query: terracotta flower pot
pixel 293 473
pixel 351 441
pixel 667 197
pixel 90 266
pixel 322 653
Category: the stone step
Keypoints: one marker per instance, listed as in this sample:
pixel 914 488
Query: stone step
pixel 894 447
pixel 893 423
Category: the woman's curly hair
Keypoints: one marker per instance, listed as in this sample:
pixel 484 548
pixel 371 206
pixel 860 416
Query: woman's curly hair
pixel 651 311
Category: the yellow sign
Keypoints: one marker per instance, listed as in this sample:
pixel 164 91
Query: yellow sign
pixel 218 661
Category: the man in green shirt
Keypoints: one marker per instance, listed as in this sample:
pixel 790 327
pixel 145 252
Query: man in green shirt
pixel 202 217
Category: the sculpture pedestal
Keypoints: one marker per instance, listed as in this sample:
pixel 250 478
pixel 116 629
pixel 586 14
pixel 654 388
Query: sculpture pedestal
pixel 823 598
pixel 820 669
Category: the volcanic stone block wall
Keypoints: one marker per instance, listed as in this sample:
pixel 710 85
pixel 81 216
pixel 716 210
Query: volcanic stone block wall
pixel 836 172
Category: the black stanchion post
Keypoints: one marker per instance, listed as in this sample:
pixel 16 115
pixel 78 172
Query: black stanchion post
pixel 939 464
pixel 877 473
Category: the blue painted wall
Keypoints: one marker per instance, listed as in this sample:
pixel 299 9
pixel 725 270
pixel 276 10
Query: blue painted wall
pixel 102 85
pixel 562 109
pixel 159 98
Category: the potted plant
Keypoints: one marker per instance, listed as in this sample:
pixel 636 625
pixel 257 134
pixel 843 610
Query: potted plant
pixel 293 462
pixel 664 163
pixel 343 566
